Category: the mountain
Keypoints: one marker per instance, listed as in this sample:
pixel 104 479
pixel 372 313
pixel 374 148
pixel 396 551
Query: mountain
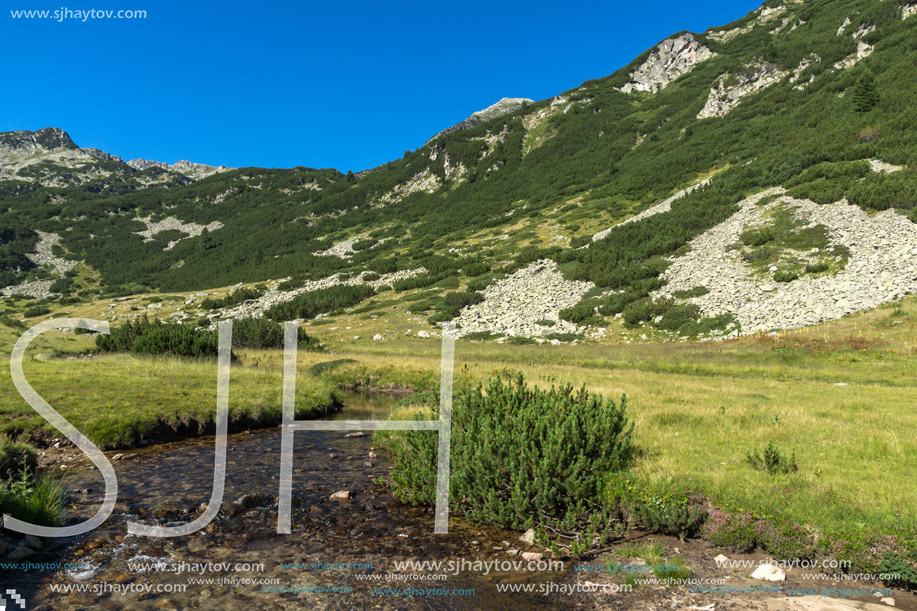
pixel 503 107
pixel 756 176
pixel 194 171
pixel 50 157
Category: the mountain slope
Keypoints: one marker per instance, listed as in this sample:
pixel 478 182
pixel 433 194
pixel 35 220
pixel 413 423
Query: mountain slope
pixel 814 98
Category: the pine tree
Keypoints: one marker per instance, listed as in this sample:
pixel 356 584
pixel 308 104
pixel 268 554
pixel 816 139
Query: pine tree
pixel 865 93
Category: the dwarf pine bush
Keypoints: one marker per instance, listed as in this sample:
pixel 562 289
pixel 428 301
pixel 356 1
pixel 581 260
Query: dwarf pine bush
pixel 520 455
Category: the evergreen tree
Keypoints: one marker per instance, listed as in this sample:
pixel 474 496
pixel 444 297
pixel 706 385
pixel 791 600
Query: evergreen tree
pixel 865 93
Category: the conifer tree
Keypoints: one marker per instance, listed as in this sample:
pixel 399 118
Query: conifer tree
pixel 865 93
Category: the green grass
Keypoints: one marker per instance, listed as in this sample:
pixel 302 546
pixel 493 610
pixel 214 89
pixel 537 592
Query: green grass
pixel 117 400
pixel 34 500
pixel 700 408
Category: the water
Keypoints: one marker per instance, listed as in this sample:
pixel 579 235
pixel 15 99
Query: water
pixel 167 484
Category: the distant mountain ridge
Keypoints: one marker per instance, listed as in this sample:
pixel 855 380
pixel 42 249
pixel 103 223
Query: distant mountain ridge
pixel 25 148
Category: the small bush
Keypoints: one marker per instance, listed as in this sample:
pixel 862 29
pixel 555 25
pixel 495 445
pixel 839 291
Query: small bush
pixel 363 244
pixel 736 532
pixel 322 301
pixel 583 313
pixel 757 237
pixel 239 296
pixel 697 291
pixel 785 276
pixel 264 333
pixel 36 310
pixel 772 460
pixel 144 337
pixel 520 454
pixel 905 569
pixel 37 500
pixel 679 316
pixel 546 323
pixel 475 269
pixel 816 268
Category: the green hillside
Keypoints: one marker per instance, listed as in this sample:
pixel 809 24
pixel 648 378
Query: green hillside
pixel 548 176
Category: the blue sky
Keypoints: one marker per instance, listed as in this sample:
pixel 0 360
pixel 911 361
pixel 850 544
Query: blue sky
pixel 281 84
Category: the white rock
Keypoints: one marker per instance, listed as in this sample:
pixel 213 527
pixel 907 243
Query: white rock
pixel 769 572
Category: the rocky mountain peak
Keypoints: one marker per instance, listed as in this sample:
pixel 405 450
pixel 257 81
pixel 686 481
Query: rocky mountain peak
pixel 503 107
pixel 46 140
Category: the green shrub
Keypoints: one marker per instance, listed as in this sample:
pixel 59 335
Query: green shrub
pixel 546 322
pixel 905 569
pixel 306 306
pixel 36 310
pixel 174 339
pixel 563 337
pixel 520 454
pixel 785 276
pixel 816 268
pixel 481 282
pixel 697 291
pixel 239 296
pixel 583 313
pixel 757 237
pixel 772 460
pixel 363 244
pixel 678 316
pixel 264 333
pixel 37 500
pixel 475 269
pixel 662 507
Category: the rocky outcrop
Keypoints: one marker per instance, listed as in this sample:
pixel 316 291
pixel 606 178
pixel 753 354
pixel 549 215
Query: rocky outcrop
pixel 26 143
pixel 877 165
pixel 670 59
pixel 804 65
pixel 908 10
pixel 881 267
pixel 425 181
pixel 194 171
pixel 864 49
pixel 100 154
pixel 171 223
pixel 504 107
pixel 42 257
pixel 730 89
pixel 513 306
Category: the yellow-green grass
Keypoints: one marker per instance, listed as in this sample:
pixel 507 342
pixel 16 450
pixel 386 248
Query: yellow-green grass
pixel 116 400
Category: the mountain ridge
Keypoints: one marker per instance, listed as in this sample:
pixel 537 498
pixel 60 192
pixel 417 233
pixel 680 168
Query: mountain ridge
pixel 612 183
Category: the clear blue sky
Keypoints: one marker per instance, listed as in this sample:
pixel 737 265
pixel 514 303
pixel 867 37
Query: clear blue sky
pixel 281 84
